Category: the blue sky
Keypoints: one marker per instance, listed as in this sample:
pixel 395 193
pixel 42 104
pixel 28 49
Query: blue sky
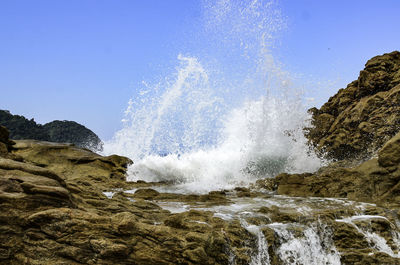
pixel 82 60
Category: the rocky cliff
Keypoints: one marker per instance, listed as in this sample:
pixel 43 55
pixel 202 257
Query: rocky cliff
pixel 376 180
pixel 359 119
pixel 55 131
pixel 358 126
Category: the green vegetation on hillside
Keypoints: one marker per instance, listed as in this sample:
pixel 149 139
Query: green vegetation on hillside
pixel 55 131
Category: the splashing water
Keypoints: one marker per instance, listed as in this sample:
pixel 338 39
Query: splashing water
pixel 261 256
pixel 374 239
pixel 205 129
pixel 312 248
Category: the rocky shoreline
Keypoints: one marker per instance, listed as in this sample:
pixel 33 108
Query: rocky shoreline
pixel 61 204
pixel 360 128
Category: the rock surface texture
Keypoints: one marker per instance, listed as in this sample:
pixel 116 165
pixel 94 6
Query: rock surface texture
pixel 64 205
pixel 54 211
pixel 359 119
pixel 358 128
pixel 376 180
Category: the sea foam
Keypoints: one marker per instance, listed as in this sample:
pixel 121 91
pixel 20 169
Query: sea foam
pixel 205 129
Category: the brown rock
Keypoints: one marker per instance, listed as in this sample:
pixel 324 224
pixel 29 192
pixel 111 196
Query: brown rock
pixel 359 119
pixel 376 180
pixel 54 212
pixel 146 194
pixel 389 155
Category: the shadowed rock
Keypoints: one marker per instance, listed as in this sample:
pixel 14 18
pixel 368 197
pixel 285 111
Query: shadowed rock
pixel 55 131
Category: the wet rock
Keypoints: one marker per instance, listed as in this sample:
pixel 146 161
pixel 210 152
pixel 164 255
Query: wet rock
pixel 267 183
pixel 146 194
pixel 214 198
pixel 347 237
pixel 197 255
pixel 243 192
pixel 54 211
pixel 279 216
pixel 375 180
pixel 366 257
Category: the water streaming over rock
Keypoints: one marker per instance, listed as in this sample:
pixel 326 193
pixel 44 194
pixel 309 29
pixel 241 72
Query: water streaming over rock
pixel 226 117
pixel 313 246
pixel 362 223
pixel 260 255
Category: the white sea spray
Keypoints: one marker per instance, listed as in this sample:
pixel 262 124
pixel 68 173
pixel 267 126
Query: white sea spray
pixel 205 129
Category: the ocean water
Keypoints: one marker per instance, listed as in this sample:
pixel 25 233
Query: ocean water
pixel 228 115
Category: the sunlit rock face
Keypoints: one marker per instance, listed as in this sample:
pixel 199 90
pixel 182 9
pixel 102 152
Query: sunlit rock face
pixel 359 119
pixel 367 163
pixel 375 180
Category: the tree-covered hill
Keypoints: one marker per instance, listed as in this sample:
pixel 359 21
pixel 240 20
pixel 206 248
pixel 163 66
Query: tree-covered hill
pixel 55 131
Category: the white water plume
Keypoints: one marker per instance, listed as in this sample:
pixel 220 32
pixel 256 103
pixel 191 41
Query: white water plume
pixel 175 120
pixel 206 129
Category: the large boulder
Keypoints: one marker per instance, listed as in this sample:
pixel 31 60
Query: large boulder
pixel 389 155
pixel 74 163
pixel 359 119
pixel 376 180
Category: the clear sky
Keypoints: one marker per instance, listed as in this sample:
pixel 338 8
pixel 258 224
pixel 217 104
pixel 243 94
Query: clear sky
pixel 82 60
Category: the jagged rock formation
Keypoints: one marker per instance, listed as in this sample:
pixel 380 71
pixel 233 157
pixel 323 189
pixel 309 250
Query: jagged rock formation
pixel 55 131
pixel 376 180
pixel 53 211
pixel 356 123
pixel 359 119
pixel 359 128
